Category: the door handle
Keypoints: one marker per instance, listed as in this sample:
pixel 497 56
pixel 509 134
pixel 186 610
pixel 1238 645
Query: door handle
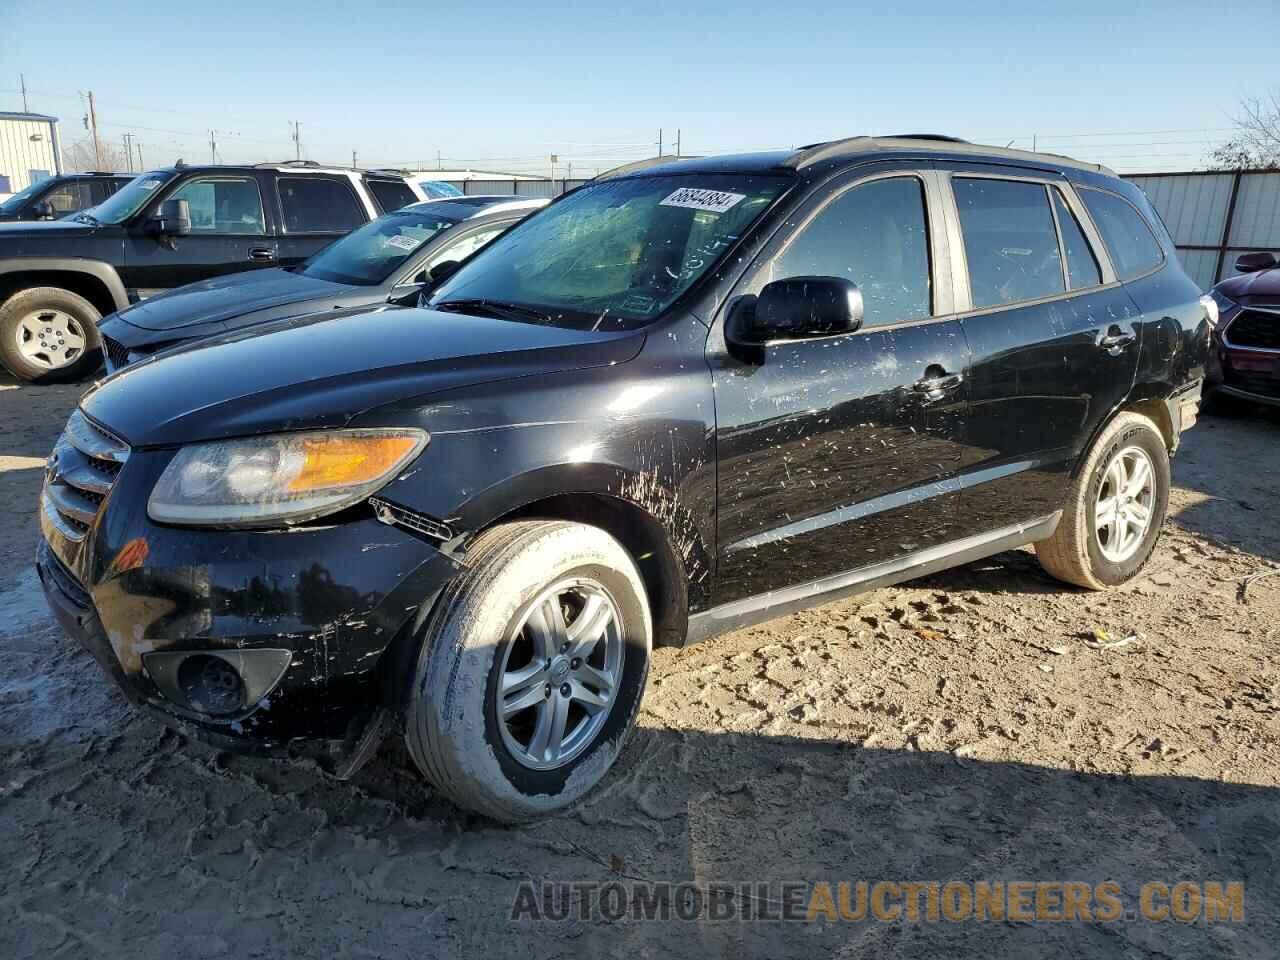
pixel 1115 340
pixel 261 253
pixel 936 382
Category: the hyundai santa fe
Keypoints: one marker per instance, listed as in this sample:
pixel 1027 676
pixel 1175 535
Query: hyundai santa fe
pixel 684 398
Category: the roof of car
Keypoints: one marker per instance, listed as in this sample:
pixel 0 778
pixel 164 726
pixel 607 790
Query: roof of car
pixel 286 166
pixel 477 205
pixel 851 150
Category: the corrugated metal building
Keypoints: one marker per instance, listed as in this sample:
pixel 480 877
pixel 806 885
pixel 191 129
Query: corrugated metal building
pixel 1216 216
pixel 29 150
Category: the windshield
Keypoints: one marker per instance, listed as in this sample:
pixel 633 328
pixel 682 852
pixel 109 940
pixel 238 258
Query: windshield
pixel 18 199
pixel 129 199
pixel 615 254
pixel 369 255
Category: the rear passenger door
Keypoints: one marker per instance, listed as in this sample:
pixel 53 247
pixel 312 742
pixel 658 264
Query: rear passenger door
pixel 315 210
pixel 838 452
pixel 1053 336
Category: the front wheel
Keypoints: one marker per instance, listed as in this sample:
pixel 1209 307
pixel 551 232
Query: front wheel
pixel 48 334
pixel 1115 508
pixel 531 669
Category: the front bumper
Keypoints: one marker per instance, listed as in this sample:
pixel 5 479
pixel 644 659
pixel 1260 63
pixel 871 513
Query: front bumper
pixel 341 599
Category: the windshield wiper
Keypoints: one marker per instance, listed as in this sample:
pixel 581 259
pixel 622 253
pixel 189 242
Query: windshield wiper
pixel 500 309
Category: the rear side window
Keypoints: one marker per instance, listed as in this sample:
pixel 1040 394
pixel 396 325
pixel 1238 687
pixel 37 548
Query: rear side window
pixel 391 194
pixel 874 235
pixel 318 205
pixel 1134 249
pixel 1010 241
pixel 1082 266
pixel 69 197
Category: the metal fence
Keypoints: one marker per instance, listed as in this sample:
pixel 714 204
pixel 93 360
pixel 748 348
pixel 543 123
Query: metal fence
pixel 1216 216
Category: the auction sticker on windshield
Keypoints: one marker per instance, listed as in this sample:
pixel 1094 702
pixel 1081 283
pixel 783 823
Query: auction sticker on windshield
pixel 401 241
pixel 716 201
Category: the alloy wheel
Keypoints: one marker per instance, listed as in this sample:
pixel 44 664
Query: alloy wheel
pixel 1126 500
pixel 50 338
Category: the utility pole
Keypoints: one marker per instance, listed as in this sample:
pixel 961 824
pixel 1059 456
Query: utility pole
pixel 659 141
pixel 93 125
pixel 677 143
pixel 439 164
pixel 297 139
pixel 128 152
pixel 22 81
pixel 213 147
pixel 140 166
pixel 353 161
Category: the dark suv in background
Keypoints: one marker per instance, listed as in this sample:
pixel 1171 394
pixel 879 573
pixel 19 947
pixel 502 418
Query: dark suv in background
pixel 164 229
pixel 59 196
pixel 678 400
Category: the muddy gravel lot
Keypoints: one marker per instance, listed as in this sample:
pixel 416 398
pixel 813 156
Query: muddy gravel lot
pixel 985 724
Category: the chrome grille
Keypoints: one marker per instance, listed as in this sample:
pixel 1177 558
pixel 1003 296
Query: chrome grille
pixel 79 475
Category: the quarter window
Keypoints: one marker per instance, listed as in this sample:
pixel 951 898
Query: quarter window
pixel 1082 266
pixel 391 194
pixel 876 236
pixel 1009 240
pixel 1134 249
pixel 318 205
pixel 226 205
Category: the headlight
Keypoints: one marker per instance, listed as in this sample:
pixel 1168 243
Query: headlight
pixel 1223 303
pixel 287 478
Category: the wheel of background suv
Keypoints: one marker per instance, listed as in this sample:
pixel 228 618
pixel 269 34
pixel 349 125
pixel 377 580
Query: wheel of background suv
pixel 48 334
pixel 1115 508
pixel 531 669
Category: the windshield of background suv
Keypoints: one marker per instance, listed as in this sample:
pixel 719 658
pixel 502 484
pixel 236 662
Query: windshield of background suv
pixel 129 199
pixel 615 254
pixel 18 199
pixel 367 256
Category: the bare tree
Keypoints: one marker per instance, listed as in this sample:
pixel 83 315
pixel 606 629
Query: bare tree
pixel 1257 139
pixel 78 156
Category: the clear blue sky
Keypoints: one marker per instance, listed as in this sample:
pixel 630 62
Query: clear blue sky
pixel 502 85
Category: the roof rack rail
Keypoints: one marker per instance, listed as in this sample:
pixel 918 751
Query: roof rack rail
pixel 398 171
pixel 944 138
pixel 286 163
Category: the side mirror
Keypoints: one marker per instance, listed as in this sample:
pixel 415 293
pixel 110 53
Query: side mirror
pixel 173 220
pixel 443 270
pixel 795 309
pixel 408 294
pixel 1253 262
pixel 43 210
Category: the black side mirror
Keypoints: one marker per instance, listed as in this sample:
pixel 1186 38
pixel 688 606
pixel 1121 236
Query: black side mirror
pixel 409 294
pixel 1253 262
pixel 43 210
pixel 173 220
pixel 795 309
pixel 444 270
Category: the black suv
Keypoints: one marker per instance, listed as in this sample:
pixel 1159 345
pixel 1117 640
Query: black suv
pixel 58 196
pixel 164 229
pixel 678 400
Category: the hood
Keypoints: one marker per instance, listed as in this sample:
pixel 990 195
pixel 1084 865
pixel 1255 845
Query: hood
pixel 224 298
pixel 16 232
pixel 321 371
pixel 1264 283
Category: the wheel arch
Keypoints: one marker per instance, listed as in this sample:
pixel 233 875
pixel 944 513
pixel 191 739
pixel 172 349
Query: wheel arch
pixel 94 280
pixel 1150 400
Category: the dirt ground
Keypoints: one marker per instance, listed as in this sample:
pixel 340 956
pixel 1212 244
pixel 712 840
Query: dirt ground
pixel 967 726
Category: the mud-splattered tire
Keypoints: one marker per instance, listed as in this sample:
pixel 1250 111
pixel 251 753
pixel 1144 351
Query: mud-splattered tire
pixel 1079 551
pixel 74 349
pixel 496 659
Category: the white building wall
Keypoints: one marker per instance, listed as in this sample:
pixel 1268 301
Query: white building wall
pixel 20 154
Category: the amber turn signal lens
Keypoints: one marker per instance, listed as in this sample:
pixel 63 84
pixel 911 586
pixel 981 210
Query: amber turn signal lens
pixel 343 461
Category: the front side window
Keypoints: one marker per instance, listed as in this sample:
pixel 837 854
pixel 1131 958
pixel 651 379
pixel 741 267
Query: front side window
pixel 1010 241
pixel 367 256
pixel 226 205
pixel 1082 266
pixel 1134 249
pixel 319 205
pixel 465 247
pixel 69 197
pixel 391 194
pixel 614 254
pixel 876 236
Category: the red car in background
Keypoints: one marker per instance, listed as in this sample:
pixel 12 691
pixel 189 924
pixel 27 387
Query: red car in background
pixel 1245 362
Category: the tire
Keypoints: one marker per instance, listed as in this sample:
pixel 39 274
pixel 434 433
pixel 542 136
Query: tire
pixel 65 313
pixel 1078 550
pixel 484 624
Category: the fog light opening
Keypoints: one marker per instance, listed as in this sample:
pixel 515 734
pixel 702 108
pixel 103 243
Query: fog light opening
pixel 211 685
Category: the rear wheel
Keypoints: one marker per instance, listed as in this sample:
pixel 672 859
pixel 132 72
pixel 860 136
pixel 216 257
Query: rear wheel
pixel 531 669
pixel 1115 508
pixel 48 334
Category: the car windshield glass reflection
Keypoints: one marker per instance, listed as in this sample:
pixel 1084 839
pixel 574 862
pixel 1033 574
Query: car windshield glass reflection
pixel 369 255
pixel 615 254
pixel 128 200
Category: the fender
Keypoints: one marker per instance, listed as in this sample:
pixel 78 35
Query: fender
pixel 98 269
